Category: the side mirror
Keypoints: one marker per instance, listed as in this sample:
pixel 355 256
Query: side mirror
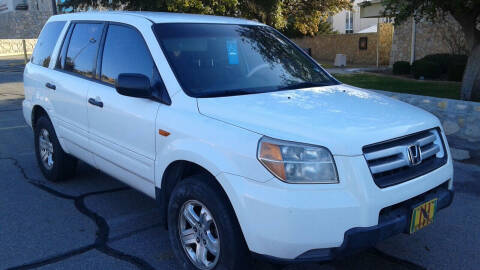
pixel 133 85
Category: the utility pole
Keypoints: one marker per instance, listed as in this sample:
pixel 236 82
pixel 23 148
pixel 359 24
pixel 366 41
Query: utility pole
pixel 414 36
pixel 378 43
pixel 54 7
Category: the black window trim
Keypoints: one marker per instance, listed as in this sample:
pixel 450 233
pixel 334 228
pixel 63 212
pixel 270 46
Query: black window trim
pixel 63 48
pixel 66 43
pixel 164 97
pixel 302 51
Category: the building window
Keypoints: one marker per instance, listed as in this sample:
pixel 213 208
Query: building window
pixel 388 20
pixel 349 22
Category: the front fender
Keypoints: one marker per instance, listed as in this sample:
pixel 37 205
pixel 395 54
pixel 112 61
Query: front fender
pixel 216 146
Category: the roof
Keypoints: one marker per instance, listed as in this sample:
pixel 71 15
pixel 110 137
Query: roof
pixel 371 29
pixel 155 17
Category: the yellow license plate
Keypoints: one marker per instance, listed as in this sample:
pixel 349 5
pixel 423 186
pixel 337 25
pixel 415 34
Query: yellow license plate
pixel 423 215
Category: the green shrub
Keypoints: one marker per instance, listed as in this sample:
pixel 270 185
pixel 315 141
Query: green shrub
pixel 442 59
pixel 447 61
pixel 401 67
pixel 426 69
pixel 455 71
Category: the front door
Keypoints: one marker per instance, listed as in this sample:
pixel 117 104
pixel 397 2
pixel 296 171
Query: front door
pixel 122 128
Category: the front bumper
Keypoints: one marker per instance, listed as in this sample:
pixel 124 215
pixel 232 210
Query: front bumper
pixel 289 221
pixel 392 220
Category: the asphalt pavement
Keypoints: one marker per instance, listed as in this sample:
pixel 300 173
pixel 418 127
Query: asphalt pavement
pixel 95 222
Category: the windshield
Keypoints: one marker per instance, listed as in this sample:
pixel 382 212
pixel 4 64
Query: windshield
pixel 214 60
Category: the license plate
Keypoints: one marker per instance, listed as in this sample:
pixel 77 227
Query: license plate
pixel 423 215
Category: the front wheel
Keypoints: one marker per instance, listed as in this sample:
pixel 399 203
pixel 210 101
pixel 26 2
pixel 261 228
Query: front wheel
pixel 204 232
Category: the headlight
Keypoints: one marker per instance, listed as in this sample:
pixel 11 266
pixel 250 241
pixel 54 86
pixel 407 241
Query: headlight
pixel 296 162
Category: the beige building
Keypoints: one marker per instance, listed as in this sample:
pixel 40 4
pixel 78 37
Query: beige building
pixel 414 39
pixel 349 21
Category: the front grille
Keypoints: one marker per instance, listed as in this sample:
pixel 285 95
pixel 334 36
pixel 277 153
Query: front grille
pixel 391 164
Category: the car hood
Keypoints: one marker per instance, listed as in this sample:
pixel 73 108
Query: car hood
pixel 341 117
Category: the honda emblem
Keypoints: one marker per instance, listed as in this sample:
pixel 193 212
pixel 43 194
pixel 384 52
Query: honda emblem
pixel 414 154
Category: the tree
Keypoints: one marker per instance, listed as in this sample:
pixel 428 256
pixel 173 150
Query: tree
pixel 466 13
pixel 210 7
pixel 324 28
pixel 303 16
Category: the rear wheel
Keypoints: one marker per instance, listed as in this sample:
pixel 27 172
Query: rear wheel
pixel 204 232
pixel 55 164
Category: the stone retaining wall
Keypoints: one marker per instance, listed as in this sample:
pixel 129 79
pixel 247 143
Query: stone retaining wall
pixel 460 119
pixel 15 46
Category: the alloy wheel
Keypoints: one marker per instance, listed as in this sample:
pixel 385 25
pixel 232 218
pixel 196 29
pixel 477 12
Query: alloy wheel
pixel 199 234
pixel 46 149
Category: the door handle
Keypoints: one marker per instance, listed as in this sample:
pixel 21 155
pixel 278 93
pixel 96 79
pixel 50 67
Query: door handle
pixel 95 102
pixel 51 86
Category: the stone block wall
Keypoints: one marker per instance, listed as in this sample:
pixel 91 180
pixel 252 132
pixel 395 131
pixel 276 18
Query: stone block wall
pixel 325 47
pixel 444 36
pixel 15 46
pixel 22 24
pixel 460 119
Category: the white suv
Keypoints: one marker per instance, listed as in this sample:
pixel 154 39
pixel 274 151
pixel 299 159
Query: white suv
pixel 246 143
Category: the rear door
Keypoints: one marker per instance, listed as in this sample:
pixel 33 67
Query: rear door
pixel 76 71
pixel 122 129
pixel 37 74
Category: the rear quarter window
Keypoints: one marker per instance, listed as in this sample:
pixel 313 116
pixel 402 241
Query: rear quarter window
pixel 46 42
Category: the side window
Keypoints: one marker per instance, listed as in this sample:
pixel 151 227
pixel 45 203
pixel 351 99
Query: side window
pixel 125 51
pixel 82 48
pixel 46 42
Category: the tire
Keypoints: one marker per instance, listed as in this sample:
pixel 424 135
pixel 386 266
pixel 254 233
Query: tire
pixel 233 252
pixel 60 166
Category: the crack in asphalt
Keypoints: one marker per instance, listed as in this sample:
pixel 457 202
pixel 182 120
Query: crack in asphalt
pixel 103 230
pixel 102 233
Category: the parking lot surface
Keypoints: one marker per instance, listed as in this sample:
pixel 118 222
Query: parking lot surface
pixel 95 222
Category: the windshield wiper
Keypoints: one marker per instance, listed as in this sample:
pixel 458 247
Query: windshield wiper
pixel 239 92
pixel 304 85
pixel 226 93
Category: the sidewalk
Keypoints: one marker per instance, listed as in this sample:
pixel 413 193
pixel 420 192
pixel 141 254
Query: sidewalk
pixel 347 70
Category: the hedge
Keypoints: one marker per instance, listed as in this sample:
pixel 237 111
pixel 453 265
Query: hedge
pixel 401 67
pixel 451 64
pixel 455 72
pixel 426 69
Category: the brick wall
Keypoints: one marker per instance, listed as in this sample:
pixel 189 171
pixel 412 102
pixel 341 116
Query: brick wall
pixel 325 47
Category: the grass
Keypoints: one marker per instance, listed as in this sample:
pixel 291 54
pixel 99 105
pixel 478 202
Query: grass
pixel 327 65
pixel 441 89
